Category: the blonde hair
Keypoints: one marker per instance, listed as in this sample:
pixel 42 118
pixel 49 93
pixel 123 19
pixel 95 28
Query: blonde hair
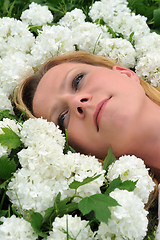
pixel 25 92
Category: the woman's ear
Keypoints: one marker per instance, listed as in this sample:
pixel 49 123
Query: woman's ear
pixel 127 72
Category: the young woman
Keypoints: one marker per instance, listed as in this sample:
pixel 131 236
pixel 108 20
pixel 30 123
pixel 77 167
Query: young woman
pixel 99 103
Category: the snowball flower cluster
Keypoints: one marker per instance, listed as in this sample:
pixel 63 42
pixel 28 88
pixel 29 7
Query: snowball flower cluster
pixel 89 35
pixel 148 68
pixel 50 42
pixel 117 15
pixel 107 9
pixel 134 169
pixel 46 170
pixel 128 221
pixel 5 102
pixel 14 69
pixel 14 36
pixel 119 50
pixel 148 59
pixel 16 228
pixel 77 229
pixel 37 15
pixel 149 43
pixel 35 131
pixel 8 123
pixel 73 18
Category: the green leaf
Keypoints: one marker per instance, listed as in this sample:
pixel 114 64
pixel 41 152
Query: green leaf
pixel 68 148
pixel 109 159
pixel 99 203
pixel 3 213
pixel 10 138
pixel 131 39
pixel 6 114
pixel 36 223
pixel 16 212
pixel 4 184
pixel 157 30
pixel 59 209
pixel 128 185
pixel 117 183
pixel 7 168
pixel 77 184
pixel 10 10
pixel 100 21
pixel 64 207
pixel 53 8
pixel 156 14
pixel 5 6
pixel 143 7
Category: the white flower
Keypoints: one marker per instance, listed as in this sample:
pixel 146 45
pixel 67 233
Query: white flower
pixel 4 150
pixel 36 184
pixel 119 50
pixel 106 9
pixel 31 191
pixel 148 44
pixel 77 229
pixel 16 228
pixel 14 36
pixel 88 36
pixel 73 18
pixel 8 123
pixel 46 170
pixel 36 15
pixel 51 41
pixel 81 167
pixel 14 69
pixel 148 68
pixel 5 102
pixel 39 129
pixel 128 221
pixel 133 168
pixel 117 15
pixel 127 24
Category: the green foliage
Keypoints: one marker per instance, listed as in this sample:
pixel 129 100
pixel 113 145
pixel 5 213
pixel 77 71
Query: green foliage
pixel 36 221
pixel 99 203
pixel 156 15
pixel 68 148
pixel 109 159
pixel 117 183
pixel 14 8
pixel 7 167
pixel 60 208
pixel 6 114
pixel 3 213
pixel 4 184
pixel 76 184
pixel 149 9
pixel 10 138
pixel 18 117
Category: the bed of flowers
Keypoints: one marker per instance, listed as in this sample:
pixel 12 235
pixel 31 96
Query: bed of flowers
pixel 47 190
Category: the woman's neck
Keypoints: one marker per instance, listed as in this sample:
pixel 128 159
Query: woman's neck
pixel 147 138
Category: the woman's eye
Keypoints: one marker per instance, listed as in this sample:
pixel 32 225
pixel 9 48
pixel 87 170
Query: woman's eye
pixel 77 80
pixel 61 119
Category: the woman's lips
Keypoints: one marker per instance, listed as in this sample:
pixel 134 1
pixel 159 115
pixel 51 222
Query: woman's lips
pixel 98 112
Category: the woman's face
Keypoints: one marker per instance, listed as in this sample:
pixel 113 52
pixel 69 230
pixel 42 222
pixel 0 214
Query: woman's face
pixel 98 106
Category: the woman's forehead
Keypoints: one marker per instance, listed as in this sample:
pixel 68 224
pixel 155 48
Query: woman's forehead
pixel 50 85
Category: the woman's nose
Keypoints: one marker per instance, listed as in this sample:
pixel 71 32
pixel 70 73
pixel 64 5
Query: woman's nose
pixel 78 104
